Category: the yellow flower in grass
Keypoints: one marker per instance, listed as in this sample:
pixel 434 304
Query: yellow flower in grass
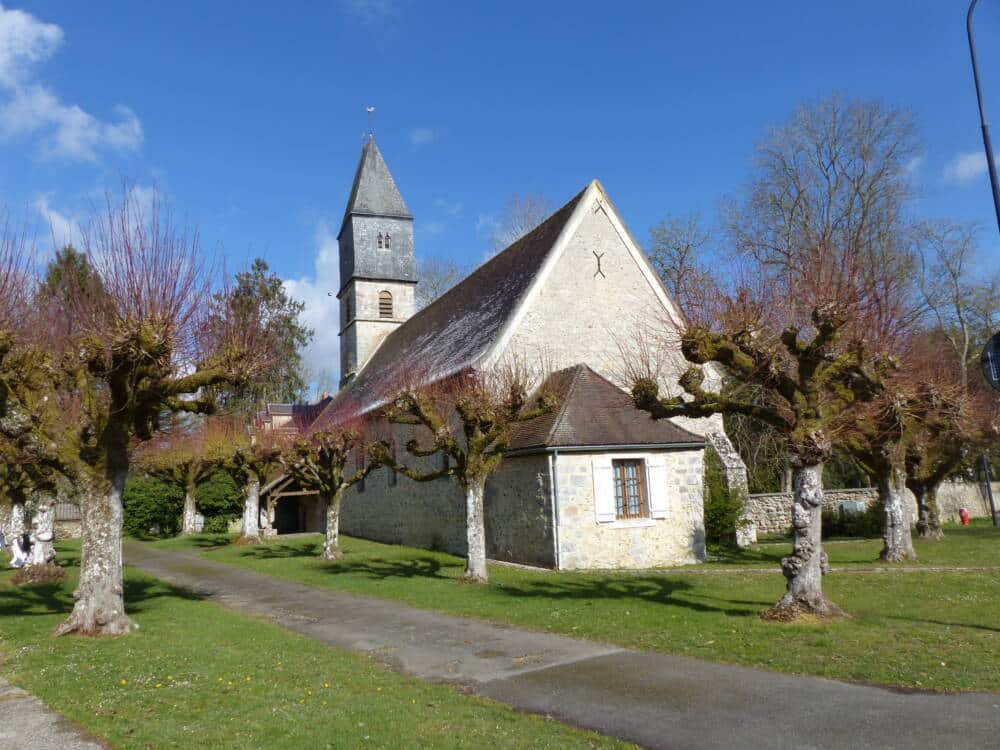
pixel 158 686
pixel 123 682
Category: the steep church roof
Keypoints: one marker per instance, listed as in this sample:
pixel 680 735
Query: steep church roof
pixel 374 192
pixel 458 328
pixel 593 411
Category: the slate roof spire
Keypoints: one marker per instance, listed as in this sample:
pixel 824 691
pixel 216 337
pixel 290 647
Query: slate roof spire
pixel 374 192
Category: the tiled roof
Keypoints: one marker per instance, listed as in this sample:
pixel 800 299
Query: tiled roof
pixel 374 192
pixel 449 335
pixel 593 411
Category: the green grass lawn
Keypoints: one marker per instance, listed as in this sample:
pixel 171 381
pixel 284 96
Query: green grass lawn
pixel 937 631
pixel 977 545
pixel 197 675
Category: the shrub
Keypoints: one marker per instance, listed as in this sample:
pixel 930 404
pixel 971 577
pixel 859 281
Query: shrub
pixel 219 501
pixel 152 507
pixel 723 508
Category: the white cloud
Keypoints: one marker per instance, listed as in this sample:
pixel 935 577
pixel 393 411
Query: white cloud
pixel 913 165
pixel 434 227
pixel 422 136
pixel 24 41
pixel 453 209
pixel 29 108
pixel 62 228
pixel 486 224
pixel 373 11
pixel 965 168
pixel 322 308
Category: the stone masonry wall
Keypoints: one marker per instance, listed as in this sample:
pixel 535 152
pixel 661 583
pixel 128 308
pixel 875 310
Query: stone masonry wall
pixel 771 512
pixel 431 515
pixel 638 543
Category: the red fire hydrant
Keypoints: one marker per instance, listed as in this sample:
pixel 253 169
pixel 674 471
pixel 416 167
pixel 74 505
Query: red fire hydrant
pixel 963 515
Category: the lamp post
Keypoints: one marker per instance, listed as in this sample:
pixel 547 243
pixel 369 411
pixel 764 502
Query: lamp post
pixel 987 144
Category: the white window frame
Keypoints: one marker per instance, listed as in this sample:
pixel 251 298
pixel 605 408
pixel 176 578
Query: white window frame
pixel 658 509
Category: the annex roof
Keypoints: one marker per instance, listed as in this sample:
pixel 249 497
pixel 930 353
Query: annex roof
pixel 593 411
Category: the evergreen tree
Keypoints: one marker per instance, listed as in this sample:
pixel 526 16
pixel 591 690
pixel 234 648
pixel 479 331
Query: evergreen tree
pixel 259 297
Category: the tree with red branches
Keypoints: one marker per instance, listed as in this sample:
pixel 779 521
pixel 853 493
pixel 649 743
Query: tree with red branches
pixel 319 462
pixel 468 418
pixel 250 458
pixel 138 350
pixel 181 457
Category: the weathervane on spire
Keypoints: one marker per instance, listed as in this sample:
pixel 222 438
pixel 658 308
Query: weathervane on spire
pixel 371 116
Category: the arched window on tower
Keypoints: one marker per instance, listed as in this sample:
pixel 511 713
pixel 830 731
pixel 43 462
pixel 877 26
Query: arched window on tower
pixel 385 304
pixel 387 240
pixel 379 240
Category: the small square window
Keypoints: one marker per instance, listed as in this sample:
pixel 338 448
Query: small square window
pixel 630 489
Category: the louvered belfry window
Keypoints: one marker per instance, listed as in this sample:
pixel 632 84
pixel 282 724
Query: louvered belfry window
pixel 385 304
pixel 630 489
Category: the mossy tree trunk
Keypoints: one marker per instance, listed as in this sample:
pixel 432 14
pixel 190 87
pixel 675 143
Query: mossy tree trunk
pixel 897 541
pixel 100 601
pixel 16 524
pixel 43 549
pixel 805 567
pixel 251 511
pixel 331 543
pixel 475 531
pixel 189 517
pixel 928 512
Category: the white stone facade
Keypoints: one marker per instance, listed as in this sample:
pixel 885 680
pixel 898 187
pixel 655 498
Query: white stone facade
pixel 362 327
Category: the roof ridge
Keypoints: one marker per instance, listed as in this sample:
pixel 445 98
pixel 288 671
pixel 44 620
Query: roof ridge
pixel 561 414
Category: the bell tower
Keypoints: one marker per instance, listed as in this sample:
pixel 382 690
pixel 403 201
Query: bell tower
pixel 377 269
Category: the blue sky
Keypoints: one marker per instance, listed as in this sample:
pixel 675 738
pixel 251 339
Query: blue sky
pixel 248 117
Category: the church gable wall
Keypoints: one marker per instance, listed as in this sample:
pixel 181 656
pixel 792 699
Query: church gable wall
pixel 582 315
pixel 676 539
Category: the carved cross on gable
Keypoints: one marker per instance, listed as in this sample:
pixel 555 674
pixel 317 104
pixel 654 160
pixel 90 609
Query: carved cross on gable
pixel 599 270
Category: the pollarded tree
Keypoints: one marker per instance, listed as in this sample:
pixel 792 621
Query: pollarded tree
pixel 319 462
pixel 250 460
pixel 804 389
pixel 469 419
pixel 181 458
pixel 955 420
pixel 878 441
pixel 138 351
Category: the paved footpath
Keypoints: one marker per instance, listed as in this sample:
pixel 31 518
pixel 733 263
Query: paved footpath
pixel 26 722
pixel 654 700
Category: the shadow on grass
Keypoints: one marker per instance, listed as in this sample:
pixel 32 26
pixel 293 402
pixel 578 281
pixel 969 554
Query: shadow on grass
pixel 944 623
pixel 281 551
pixel 656 590
pixel 380 569
pixel 57 598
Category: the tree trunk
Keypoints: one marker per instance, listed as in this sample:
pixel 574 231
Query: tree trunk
pixel 251 513
pixel 805 567
pixel 188 520
pixel 475 530
pixel 16 523
pixel 100 603
pixel 897 542
pixel 928 515
pixel 267 526
pixel 43 550
pixel 331 545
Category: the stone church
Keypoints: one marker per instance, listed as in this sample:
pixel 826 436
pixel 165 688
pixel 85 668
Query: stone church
pixel 594 484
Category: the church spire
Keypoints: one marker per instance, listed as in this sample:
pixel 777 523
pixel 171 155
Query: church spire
pixel 377 269
pixel 374 192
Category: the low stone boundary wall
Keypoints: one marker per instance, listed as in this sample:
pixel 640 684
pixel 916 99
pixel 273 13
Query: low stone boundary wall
pixel 771 513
